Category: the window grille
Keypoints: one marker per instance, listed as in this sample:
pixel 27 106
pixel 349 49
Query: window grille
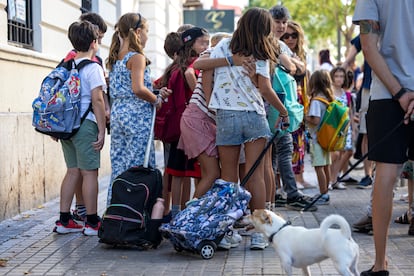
pixel 86 6
pixel 20 23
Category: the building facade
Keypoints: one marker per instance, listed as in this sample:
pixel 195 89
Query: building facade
pixel 33 39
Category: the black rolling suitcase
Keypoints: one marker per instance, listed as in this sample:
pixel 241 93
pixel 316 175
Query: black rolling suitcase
pixel 127 219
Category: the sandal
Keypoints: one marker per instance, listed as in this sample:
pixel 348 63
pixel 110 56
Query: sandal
pixel 403 219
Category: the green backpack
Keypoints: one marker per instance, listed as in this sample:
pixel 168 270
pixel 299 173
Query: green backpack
pixel 333 128
pixel 286 89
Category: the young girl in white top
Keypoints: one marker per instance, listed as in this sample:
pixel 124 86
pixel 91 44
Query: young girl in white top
pixel 241 117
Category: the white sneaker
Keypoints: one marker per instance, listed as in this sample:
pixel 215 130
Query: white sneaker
pixel 229 242
pixel 258 241
pixel 236 236
pixel 339 186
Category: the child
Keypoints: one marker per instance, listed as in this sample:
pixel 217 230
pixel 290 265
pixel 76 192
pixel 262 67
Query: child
pixel 79 213
pixel 340 158
pixel 319 86
pixel 199 121
pixel 82 151
pixel 240 114
pixel 182 82
pixel 131 96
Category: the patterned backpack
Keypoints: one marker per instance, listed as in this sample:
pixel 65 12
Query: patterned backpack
pixel 56 111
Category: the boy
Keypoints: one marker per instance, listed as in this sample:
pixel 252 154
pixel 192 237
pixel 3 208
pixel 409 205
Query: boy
pixel 82 151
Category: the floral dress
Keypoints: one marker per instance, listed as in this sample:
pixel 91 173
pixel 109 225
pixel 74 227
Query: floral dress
pixel 130 121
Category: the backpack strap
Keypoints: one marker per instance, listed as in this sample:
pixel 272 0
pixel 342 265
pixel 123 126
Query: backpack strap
pixel 325 101
pixel 83 63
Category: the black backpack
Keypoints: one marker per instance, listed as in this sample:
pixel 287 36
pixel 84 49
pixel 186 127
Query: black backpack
pixel 127 219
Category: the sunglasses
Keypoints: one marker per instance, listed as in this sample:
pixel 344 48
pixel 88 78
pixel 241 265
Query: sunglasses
pixel 139 21
pixel 292 35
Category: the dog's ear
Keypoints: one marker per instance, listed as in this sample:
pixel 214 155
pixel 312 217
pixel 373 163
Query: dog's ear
pixel 268 217
pixel 263 215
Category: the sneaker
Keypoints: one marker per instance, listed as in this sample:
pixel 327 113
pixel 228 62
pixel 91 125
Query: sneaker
pixel 229 241
pixel 258 241
pixel 369 272
pixel 339 186
pixel 364 224
pixel 323 200
pixel 280 201
pixel 237 237
pixel 299 203
pixel 411 228
pixel 90 230
pixel 78 218
pixel 70 227
pixel 365 182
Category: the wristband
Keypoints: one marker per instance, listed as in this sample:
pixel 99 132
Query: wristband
pixel 284 116
pixel 229 60
pixel 158 101
pixel 399 94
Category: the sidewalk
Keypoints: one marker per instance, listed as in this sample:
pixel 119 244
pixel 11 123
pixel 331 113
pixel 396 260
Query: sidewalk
pixel 29 247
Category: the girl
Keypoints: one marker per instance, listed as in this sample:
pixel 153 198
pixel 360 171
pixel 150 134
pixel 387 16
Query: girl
pixel 340 158
pixel 131 95
pixel 182 81
pixel 319 86
pixel 241 117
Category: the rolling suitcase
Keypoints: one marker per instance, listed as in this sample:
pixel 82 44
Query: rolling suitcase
pixel 201 226
pixel 127 219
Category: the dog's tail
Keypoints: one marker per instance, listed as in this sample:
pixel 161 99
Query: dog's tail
pixel 338 220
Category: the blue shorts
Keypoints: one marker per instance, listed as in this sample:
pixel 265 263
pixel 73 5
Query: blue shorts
pixel 238 127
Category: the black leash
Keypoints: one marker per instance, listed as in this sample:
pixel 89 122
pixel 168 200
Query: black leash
pixel 356 163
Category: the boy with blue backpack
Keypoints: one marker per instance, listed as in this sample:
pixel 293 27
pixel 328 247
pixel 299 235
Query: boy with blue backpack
pixel 82 150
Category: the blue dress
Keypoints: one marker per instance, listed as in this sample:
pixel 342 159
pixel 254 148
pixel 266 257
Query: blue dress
pixel 130 121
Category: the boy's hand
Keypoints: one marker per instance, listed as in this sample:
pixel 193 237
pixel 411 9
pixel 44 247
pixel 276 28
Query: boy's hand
pixel 99 143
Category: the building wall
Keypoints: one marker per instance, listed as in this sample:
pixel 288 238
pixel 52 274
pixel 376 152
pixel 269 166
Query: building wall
pixel 31 164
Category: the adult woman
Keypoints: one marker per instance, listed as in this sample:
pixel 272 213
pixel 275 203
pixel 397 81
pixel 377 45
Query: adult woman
pixel 294 39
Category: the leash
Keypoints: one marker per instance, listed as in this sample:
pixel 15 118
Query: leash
pixel 391 132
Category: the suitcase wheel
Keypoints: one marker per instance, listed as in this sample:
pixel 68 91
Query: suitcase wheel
pixel 207 249
pixel 178 248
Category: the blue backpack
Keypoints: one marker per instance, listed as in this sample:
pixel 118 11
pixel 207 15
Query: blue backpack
pixel 286 89
pixel 56 111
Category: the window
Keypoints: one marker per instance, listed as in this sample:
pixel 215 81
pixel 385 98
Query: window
pixel 86 6
pixel 20 23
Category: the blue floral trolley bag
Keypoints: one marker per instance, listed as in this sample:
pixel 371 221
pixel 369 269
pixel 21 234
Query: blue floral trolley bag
pixel 201 226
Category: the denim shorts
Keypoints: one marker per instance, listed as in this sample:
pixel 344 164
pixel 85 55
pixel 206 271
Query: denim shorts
pixel 78 150
pixel 238 127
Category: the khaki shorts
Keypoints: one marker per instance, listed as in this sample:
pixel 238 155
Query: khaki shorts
pixel 363 111
pixel 319 157
pixel 78 150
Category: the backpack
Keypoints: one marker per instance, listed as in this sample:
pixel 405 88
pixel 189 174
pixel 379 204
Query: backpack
pixel 56 111
pixel 333 128
pixel 286 89
pixel 127 219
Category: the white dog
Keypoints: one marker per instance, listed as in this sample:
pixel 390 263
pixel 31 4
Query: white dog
pixel 300 247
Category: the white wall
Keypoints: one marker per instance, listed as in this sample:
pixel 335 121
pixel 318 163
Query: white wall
pixel 31 165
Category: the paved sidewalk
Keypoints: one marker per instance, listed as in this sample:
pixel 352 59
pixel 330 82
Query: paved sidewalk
pixel 29 247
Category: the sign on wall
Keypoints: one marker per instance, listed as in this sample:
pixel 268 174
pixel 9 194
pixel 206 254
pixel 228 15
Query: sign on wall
pixel 212 20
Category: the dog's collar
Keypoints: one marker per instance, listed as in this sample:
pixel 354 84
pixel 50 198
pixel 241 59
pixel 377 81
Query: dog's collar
pixel 275 233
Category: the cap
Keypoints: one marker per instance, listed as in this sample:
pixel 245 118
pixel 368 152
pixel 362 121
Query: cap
pixel 191 34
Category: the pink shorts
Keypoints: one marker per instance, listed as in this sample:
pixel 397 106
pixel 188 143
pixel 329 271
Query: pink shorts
pixel 198 133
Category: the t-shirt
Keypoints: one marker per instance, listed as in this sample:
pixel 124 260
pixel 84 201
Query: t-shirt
pixel 91 76
pixel 232 89
pixel 316 109
pixel 395 41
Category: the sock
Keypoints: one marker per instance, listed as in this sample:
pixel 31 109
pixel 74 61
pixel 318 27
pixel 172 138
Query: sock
pixel 175 209
pixel 272 206
pixel 64 217
pixel 81 210
pixel 92 219
pixel 267 205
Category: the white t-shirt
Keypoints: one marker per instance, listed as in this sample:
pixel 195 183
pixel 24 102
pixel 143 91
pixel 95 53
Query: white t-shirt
pixel 396 40
pixel 316 109
pixel 233 90
pixel 92 76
